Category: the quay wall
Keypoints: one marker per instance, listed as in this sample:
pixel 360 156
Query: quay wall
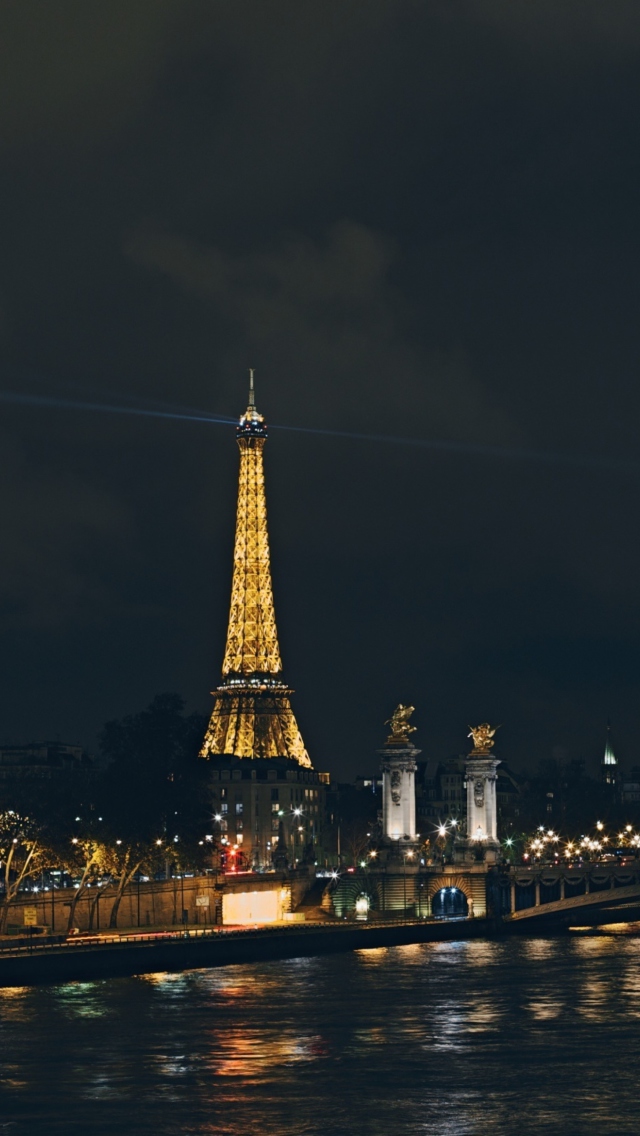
pixel 78 962
pixel 156 903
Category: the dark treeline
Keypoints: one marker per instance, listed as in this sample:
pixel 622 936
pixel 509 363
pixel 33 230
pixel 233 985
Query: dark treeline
pixel 564 796
pixel 144 808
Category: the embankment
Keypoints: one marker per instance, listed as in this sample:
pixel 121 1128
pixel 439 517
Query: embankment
pixel 80 962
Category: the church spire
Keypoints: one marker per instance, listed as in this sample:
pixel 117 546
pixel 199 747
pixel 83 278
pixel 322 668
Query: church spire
pixel 609 756
pixel 252 716
pixel 609 763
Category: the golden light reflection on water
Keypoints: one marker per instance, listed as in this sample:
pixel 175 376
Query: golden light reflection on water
pixel 545 1009
pixel 252 1053
pixel 595 1002
pixel 483 952
pixel 15 1005
pixel 410 953
pixel 631 989
pixel 539 948
pixel 160 978
pixel 483 1016
pixel 372 956
pixel 594 945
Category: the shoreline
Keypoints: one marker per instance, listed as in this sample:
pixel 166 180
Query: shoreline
pixel 79 962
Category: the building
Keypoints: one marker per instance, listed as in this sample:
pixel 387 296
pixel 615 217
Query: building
pixel 441 792
pixel 41 759
pixel 352 824
pixel 631 787
pixel 268 798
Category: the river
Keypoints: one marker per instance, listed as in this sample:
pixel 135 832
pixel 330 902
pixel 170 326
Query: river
pixel 509 1036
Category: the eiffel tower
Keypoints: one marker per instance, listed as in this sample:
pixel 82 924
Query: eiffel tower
pixel 252 715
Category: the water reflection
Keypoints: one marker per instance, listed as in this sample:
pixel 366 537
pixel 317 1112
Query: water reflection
pixel 446 1039
pixel 253 1053
pixel 82 999
pixel 545 1009
pixel 538 948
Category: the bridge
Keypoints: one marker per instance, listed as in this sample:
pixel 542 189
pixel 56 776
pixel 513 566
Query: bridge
pixel 589 894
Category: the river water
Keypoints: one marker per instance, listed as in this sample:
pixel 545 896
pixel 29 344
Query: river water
pixel 501 1037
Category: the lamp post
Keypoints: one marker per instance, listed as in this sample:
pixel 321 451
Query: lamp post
pixel 292 835
pixel 407 854
pixel 442 838
pixel 297 828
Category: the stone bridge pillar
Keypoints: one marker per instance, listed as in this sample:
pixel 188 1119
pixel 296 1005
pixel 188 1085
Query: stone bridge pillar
pixel 399 794
pixel 482 807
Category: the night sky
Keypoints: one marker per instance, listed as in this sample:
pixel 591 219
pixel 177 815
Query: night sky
pixel 414 218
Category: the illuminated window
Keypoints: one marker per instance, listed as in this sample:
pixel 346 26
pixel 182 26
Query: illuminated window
pixel 274 807
pixel 239 808
pixel 239 838
pixel 224 808
pixel 239 825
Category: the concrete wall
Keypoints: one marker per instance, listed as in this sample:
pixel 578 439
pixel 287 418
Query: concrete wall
pixel 158 903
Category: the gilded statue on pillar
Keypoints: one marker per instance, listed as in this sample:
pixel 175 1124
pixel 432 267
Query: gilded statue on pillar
pixel 399 723
pixel 482 739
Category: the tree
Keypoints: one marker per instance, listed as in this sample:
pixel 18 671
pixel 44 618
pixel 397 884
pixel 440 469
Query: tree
pixel 86 859
pixel 21 855
pixel 155 797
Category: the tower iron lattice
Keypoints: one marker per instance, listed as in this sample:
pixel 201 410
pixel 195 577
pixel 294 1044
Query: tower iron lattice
pixel 252 715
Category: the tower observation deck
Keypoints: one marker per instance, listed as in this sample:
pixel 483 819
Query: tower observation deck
pixel 252 715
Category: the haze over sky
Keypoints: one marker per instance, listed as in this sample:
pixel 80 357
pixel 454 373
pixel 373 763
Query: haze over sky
pixel 412 218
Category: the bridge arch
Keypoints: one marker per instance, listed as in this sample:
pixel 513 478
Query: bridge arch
pixel 440 883
pixel 346 892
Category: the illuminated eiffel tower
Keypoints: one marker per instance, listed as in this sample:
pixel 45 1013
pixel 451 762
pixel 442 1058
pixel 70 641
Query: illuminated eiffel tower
pixel 252 715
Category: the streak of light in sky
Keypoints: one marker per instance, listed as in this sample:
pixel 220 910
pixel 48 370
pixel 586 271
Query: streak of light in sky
pixel 512 453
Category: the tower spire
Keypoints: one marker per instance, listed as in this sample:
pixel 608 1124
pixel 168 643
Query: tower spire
pixel 252 715
pixel 609 764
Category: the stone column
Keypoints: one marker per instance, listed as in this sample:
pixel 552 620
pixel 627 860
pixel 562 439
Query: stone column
pixel 482 810
pixel 513 896
pixel 399 793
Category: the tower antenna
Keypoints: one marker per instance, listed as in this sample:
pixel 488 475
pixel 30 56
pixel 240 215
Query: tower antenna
pixel 252 396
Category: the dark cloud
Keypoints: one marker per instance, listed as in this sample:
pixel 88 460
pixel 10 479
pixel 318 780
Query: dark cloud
pixel 323 317
pixel 411 219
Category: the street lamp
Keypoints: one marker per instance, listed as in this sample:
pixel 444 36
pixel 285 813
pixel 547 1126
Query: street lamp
pixel 407 854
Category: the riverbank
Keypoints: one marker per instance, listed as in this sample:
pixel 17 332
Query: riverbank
pixel 85 961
